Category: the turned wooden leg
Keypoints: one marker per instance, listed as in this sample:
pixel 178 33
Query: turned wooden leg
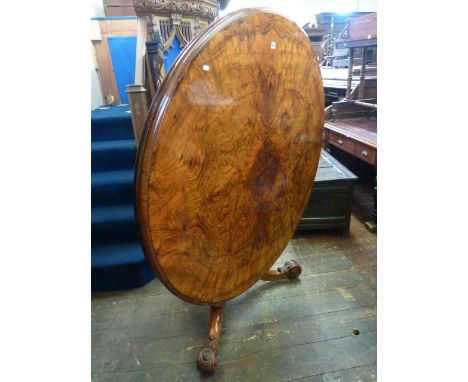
pixel 206 361
pixel 290 270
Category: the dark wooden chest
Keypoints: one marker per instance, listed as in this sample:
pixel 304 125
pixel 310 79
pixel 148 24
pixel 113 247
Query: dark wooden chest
pixel 329 205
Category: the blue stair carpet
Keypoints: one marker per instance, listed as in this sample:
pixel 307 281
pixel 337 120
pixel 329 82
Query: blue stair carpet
pixel 117 260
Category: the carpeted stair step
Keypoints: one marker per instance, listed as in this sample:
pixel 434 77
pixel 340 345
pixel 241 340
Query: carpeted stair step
pixel 111 123
pixel 119 266
pixel 113 155
pixel 117 260
pixel 113 224
pixel 110 188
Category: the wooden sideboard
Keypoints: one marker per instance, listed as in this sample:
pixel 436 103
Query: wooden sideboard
pixel 356 136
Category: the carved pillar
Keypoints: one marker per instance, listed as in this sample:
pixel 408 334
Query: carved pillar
pixel 192 15
pixel 197 27
pixel 150 28
pixel 169 18
pixel 139 106
pixel 350 73
pixel 362 77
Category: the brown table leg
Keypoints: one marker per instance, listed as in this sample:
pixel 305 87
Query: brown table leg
pixel 290 270
pixel 206 361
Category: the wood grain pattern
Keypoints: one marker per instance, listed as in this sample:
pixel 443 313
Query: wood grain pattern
pixel 229 154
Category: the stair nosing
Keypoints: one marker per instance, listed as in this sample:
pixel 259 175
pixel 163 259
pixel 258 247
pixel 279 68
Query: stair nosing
pixel 106 144
pixel 97 180
pixel 128 216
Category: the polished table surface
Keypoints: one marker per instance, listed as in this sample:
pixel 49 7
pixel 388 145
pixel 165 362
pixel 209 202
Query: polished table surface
pixel 228 156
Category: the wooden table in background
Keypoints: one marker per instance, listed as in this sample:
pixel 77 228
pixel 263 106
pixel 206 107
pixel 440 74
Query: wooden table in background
pixel 356 136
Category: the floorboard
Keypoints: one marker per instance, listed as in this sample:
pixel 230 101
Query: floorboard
pixel 299 330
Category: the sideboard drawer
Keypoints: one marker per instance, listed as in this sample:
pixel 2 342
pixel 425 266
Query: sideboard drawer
pixel 342 142
pixel 366 153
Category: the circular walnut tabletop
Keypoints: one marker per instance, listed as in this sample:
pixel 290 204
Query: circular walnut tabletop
pixel 228 156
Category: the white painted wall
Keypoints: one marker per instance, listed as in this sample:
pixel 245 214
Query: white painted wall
pixel 303 11
pixel 97 10
pixel 96 94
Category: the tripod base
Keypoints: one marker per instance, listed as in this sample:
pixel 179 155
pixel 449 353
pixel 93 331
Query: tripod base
pixel 206 361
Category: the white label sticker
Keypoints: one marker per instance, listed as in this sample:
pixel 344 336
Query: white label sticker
pixel 273 45
pixel 206 68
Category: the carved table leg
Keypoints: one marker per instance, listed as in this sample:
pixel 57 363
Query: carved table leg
pixel 290 270
pixel 206 361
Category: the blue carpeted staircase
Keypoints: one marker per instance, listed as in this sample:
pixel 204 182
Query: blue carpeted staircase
pixel 117 260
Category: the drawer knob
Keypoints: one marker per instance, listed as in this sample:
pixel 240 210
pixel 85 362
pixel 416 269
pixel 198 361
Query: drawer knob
pixel 365 153
pixel 340 141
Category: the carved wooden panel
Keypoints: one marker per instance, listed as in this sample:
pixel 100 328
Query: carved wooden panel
pixel 229 154
pixel 207 9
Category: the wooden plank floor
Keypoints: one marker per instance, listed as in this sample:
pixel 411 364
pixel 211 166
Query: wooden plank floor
pixel 281 331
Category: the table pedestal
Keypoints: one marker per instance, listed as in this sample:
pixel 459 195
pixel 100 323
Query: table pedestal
pixel 206 361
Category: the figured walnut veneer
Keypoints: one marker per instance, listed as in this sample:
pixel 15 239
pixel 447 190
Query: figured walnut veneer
pixel 229 154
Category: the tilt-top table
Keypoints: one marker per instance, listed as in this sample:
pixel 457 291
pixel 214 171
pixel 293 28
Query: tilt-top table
pixel 227 160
